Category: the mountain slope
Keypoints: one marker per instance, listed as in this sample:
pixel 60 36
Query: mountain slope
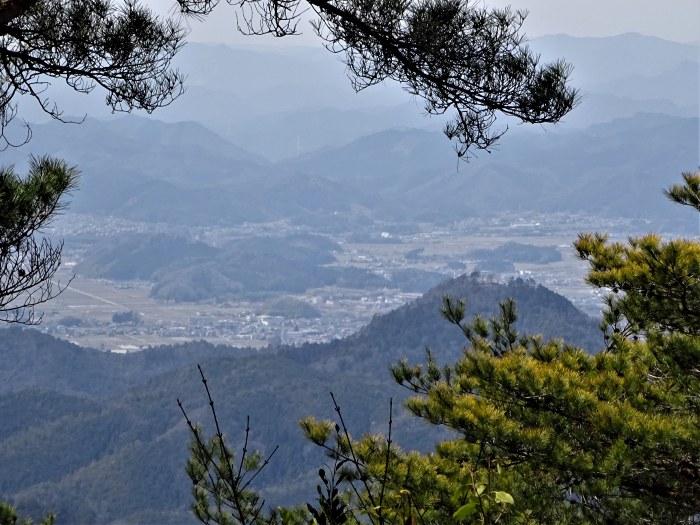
pixel 616 169
pixel 116 453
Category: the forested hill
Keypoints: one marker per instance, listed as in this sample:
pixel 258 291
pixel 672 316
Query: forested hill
pixel 407 331
pixel 32 360
pixel 98 437
pixel 540 310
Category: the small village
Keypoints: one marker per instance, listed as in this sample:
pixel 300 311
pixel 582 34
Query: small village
pixel 90 312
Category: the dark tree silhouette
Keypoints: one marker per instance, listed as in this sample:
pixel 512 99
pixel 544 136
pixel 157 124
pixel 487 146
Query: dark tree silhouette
pixel 27 262
pixel 455 55
pixel 122 47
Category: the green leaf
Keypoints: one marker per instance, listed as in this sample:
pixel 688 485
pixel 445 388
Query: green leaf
pixel 465 511
pixel 459 493
pixel 503 497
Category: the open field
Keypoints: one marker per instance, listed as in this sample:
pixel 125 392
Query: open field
pixel 84 312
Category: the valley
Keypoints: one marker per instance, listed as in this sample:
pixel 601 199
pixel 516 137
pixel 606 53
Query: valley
pixel 87 313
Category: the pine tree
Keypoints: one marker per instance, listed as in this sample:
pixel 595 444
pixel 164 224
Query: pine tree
pixel 546 433
pixel 607 438
pixel 28 262
pixel 8 516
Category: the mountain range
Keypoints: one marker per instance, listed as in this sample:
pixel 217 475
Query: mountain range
pixel 284 102
pixel 265 136
pixel 182 173
pixel 99 437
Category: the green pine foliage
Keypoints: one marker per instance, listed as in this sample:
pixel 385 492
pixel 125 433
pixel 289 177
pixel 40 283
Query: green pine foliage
pixel 542 431
pixel 27 262
pixel 8 516
pixel 579 438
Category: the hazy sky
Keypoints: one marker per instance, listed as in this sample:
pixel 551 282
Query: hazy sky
pixel 677 20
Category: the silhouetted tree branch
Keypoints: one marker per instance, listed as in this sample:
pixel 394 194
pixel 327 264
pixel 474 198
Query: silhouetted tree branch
pixel 27 263
pixel 120 46
pixel 221 489
pixel 458 57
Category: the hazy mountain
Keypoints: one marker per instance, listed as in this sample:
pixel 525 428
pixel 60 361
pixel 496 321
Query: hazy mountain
pixel 131 256
pixel 184 174
pixel 36 361
pixel 354 171
pixel 186 271
pixel 386 161
pixel 283 102
pixel 173 152
pixel 621 75
pixel 677 85
pixel 407 331
pixel 124 159
pixel 291 133
pixel 598 60
pixel 614 169
pixel 596 108
pixel 181 173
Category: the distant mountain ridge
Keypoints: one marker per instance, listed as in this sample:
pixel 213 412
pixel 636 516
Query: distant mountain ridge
pixel 618 148
pixel 308 104
pixel 182 270
pixel 184 174
pixel 615 57
pixel 282 103
pixel 614 169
